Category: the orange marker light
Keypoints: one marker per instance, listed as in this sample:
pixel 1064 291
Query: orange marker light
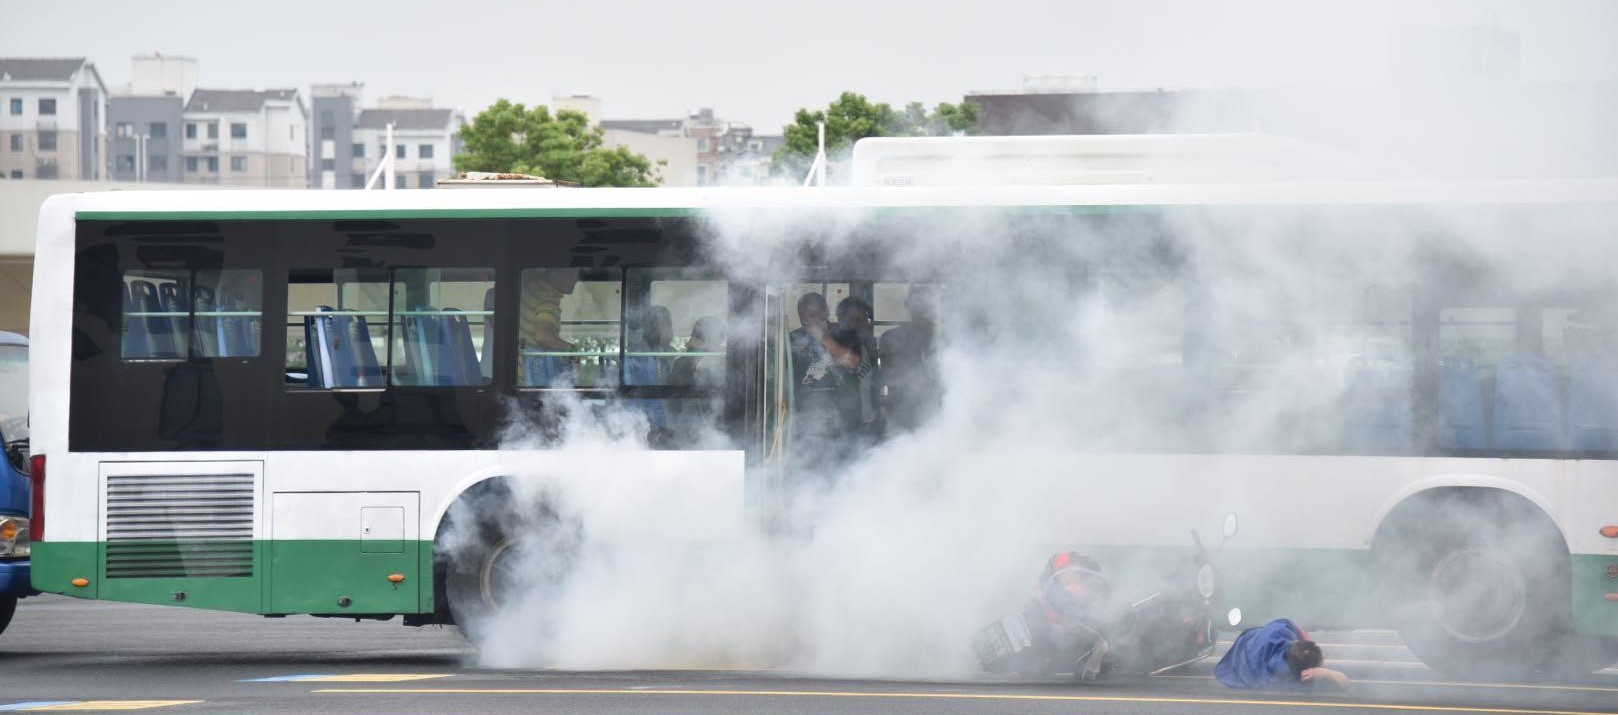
pixel 396 577
pixel 1610 531
pixel 80 582
pixel 1612 597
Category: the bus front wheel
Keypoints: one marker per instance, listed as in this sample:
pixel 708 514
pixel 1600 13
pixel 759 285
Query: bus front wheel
pixel 1475 580
pixel 8 608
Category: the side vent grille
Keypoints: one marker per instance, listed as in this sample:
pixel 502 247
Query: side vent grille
pixel 164 526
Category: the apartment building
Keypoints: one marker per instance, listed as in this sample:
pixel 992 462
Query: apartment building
pixel 145 119
pixel 238 137
pixel 52 119
pixel 425 142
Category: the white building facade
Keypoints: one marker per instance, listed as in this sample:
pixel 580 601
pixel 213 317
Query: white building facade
pixel 52 119
pixel 425 141
pixel 256 138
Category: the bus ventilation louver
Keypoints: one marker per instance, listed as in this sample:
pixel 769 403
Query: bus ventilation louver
pixel 164 526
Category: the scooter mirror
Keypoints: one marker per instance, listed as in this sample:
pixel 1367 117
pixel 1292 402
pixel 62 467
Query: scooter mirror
pixel 1234 617
pixel 1230 525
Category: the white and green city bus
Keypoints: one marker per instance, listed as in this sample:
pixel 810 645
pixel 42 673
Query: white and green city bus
pixel 271 401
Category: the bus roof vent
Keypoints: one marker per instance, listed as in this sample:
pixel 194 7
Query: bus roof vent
pixel 468 179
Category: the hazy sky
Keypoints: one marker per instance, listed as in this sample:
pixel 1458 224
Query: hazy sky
pixel 758 61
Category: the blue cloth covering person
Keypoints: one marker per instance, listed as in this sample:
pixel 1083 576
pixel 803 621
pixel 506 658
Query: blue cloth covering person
pixel 1277 655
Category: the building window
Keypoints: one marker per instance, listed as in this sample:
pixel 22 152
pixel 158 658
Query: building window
pixel 328 164
pixel 126 162
pixel 702 145
pixel 327 118
pixel 16 173
pixel 123 130
pixel 213 164
pixel 328 133
pixel 213 130
pixel 425 151
pixel 16 142
pixel 399 151
pixel 47 107
pixel 158 130
pixel 238 163
pixel 16 109
pixel 157 163
pixel 359 151
pixel 238 130
pixel 425 181
pixel 191 164
pixel 702 175
pixel 47 141
pixel 190 130
pixel 357 181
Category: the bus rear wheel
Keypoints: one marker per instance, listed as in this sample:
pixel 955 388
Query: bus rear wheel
pixel 1476 582
pixel 510 564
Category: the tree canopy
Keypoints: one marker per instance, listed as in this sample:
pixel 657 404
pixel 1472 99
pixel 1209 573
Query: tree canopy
pixel 511 138
pixel 851 117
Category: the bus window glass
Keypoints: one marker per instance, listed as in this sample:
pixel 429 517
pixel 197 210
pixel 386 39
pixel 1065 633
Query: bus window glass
pixel 1368 349
pixel 181 313
pixel 157 317
pixel 1483 336
pixel 337 328
pixel 229 307
pixel 676 338
pixel 569 326
pixel 440 325
pixel 14 391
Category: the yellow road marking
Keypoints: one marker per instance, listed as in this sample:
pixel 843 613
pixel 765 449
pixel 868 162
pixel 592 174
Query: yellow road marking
pixel 956 696
pixel 1451 684
pixel 114 705
pixel 374 678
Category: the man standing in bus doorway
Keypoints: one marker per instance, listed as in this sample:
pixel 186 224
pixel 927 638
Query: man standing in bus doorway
pixel 910 362
pixel 541 326
pixel 825 400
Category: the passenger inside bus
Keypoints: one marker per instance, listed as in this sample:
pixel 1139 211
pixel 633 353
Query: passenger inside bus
pixel 644 365
pixel 854 331
pixel 542 292
pixel 825 394
pixel 909 377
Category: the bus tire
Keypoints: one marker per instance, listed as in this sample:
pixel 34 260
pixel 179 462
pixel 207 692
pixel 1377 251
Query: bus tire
pixel 8 608
pixel 1475 580
pixel 506 556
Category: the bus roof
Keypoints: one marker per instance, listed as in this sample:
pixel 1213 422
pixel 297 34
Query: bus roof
pixel 517 202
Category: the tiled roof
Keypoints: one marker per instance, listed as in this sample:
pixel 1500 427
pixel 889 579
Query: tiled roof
pixel 25 69
pixel 235 100
pixel 404 118
pixel 644 126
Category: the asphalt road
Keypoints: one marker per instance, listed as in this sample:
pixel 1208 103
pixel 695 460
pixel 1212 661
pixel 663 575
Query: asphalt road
pixel 64 654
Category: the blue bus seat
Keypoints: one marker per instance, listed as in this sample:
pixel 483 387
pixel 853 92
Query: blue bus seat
pixel 205 327
pixel 174 299
pixel 486 361
pixel 234 333
pixel 158 333
pixel 1376 406
pixel 1460 404
pixel 338 351
pixel 461 355
pixel 137 344
pixel 1527 405
pixel 1592 407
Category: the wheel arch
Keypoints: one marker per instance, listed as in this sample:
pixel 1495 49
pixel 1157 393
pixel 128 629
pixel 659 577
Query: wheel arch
pixel 1437 486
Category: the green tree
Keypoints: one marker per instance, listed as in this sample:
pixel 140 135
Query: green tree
pixel 851 117
pixel 509 137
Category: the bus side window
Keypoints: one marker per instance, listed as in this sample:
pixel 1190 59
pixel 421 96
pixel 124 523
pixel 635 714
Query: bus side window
pixel 568 327
pixel 675 337
pixel 336 327
pixel 180 314
pixel 440 326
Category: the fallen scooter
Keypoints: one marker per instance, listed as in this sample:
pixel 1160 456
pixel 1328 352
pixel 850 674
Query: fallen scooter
pixel 1072 625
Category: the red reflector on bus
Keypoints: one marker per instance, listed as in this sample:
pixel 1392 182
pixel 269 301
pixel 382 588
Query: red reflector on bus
pixel 1610 531
pixel 1612 597
pixel 36 485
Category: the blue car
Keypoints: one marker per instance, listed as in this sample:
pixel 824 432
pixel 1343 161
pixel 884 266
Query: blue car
pixel 13 474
